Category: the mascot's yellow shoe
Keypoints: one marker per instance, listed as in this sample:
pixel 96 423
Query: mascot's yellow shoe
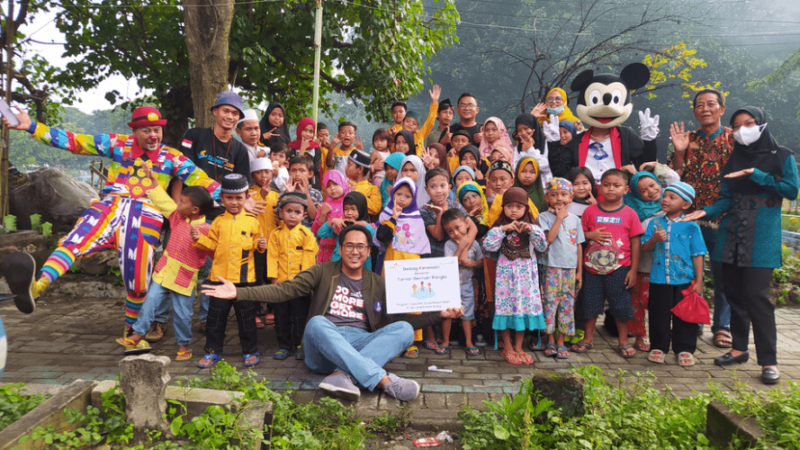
pixel 39 287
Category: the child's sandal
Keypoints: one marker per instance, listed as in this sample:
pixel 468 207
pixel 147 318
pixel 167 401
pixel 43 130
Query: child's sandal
pixel 472 351
pixel 209 361
pixel 184 356
pixel 656 356
pixel 685 359
pixel 550 350
pixel 247 357
pixel 412 352
pixel 525 358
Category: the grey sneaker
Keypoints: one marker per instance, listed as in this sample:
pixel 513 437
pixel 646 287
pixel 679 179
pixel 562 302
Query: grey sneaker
pixel 401 388
pixel 339 385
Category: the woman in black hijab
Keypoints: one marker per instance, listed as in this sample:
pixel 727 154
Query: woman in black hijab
pixel 273 126
pixel 757 177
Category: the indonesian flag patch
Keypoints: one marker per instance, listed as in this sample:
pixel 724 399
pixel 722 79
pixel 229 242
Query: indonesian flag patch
pixel 187 143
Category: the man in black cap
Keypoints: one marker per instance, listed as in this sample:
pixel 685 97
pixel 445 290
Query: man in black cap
pixel 445 117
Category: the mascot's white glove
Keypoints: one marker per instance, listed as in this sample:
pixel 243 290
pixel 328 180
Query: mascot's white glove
pixel 550 129
pixel 649 125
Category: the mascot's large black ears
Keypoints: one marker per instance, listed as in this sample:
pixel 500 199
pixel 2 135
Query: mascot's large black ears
pixel 635 75
pixel 583 80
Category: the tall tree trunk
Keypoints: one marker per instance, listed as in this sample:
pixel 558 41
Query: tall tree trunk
pixel 178 111
pixel 207 29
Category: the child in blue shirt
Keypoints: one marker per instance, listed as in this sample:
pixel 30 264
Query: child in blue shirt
pixel 678 249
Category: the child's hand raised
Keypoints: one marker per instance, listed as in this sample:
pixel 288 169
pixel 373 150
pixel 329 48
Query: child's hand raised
pixel 660 235
pixel 590 199
pixel 434 208
pixel 303 147
pixel 262 243
pixel 436 92
pixel 337 224
pixel 194 232
pixel 325 209
pixel 336 140
pixel 478 175
pixel 561 214
pixel 526 138
pixel 270 133
pixel 478 137
pixel 359 143
pixel 427 158
pixel 476 210
pixel 397 211
pixel 445 139
pixel 148 171
pixel 523 227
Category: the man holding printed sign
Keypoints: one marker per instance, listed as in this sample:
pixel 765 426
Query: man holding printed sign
pixel 342 337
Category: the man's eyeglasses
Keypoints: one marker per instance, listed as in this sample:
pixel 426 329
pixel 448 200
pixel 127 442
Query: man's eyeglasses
pixel 467 105
pixel 350 248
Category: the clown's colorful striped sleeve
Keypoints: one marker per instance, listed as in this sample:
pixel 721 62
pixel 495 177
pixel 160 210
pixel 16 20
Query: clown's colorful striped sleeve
pixel 79 144
pixel 191 175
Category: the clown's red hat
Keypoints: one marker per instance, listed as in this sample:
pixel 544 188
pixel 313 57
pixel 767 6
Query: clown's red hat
pixel 146 116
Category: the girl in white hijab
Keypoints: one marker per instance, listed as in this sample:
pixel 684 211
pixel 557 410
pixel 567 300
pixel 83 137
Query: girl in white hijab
pixel 413 168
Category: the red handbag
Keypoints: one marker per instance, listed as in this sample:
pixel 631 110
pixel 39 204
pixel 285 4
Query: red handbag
pixel 693 308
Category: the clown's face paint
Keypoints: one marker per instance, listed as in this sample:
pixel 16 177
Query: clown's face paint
pixel 148 138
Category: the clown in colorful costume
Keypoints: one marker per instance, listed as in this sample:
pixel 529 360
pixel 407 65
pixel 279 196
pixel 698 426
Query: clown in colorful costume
pixel 125 219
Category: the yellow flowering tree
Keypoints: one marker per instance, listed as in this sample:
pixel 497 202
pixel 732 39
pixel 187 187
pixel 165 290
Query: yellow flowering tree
pixel 673 67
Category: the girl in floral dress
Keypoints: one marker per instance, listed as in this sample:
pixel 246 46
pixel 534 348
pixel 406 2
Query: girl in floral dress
pixel 518 301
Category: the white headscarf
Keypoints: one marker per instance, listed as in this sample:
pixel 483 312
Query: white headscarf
pixel 422 195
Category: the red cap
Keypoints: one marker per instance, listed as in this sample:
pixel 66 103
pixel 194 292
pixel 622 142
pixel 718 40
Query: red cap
pixel 144 116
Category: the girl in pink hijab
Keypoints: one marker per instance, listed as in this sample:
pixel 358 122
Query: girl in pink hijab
pixel 336 188
pixel 495 135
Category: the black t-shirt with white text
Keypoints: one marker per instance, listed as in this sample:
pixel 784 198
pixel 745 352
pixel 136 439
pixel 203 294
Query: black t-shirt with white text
pixel 347 305
pixel 214 157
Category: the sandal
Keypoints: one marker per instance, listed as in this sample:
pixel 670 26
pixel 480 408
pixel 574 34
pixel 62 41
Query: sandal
pixel 412 352
pixel 259 323
pixel 525 358
pixel 550 350
pixel 431 344
pixel 134 348
pixel 723 339
pixel 532 346
pixel 562 349
pixel 247 357
pixel 480 341
pixel 685 359
pixel 281 354
pixel 656 356
pixel 269 319
pixel 443 350
pixel 644 347
pixel 472 351
pixel 623 351
pixel 511 358
pixel 184 356
pixel 209 361
pixel 582 347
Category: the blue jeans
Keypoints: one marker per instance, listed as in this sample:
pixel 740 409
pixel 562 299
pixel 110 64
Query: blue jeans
pixel 157 297
pixel 354 351
pixel 722 311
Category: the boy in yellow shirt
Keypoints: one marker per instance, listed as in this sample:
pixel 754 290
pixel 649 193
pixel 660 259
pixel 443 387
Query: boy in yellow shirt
pixel 357 171
pixel 292 249
pixel 233 238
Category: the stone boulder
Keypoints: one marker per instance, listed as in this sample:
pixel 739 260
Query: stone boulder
pixel 59 198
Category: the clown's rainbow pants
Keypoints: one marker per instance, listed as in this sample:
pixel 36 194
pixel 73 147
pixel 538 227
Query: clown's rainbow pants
pixel 129 226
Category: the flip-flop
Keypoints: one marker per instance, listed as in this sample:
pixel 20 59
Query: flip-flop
pixel 622 351
pixel 550 350
pixel 508 357
pixel 410 355
pixel 443 350
pixel 472 351
pixel 431 344
pixel 213 357
pixel 247 357
pixel 525 358
pixel 583 347
pixel 184 356
pixel 259 323
pixel 480 341
pixel 533 348
pixel 720 336
pixel 134 348
pixel 644 348
pixel 269 319
pixel 562 348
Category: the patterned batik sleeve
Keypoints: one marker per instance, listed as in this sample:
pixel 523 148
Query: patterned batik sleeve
pixel 78 144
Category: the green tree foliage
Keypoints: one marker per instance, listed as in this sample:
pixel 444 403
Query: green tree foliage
pixel 372 50
pixel 788 68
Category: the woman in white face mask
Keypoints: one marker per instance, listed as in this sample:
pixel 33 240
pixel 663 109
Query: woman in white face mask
pixel 757 177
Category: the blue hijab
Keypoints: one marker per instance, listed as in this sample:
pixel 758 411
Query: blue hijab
pixel 643 208
pixel 394 161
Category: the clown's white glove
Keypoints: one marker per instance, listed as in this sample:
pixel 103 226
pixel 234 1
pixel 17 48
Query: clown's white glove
pixel 550 129
pixel 648 125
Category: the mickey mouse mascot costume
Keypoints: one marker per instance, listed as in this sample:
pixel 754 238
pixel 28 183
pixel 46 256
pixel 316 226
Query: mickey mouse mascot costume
pixel 604 104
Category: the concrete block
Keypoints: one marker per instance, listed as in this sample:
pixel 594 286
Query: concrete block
pixel 722 424
pixel 565 389
pixel 77 395
pixel 143 381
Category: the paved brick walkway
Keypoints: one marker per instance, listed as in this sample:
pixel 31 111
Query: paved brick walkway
pixel 71 335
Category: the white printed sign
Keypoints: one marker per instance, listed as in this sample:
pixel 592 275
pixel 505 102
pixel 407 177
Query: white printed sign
pixel 422 285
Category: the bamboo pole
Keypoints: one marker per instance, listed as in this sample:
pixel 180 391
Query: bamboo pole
pixel 4 147
pixel 317 54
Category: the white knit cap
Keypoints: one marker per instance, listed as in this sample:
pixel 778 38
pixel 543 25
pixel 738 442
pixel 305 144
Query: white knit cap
pixel 260 164
pixel 250 114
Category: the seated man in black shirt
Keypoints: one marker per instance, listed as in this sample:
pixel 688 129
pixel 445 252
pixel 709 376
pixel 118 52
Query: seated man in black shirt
pixel 342 337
